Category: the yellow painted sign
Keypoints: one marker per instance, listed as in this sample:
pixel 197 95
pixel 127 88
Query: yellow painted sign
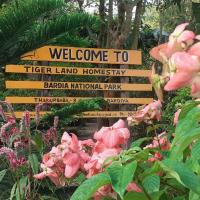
pixel 69 100
pixel 77 86
pixel 92 114
pixel 31 69
pixel 107 114
pixel 84 55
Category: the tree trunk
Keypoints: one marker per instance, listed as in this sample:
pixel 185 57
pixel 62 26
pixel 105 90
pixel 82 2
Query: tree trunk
pixel 137 24
pixel 101 43
pixel 117 32
pixel 45 77
pixel 196 15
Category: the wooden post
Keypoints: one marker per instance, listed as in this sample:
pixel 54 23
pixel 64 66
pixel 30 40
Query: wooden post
pixel 124 94
pixel 44 77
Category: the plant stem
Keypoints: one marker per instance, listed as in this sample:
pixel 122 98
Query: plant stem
pixel 176 189
pixel 144 190
pixel 18 186
pixel 154 128
pixel 29 165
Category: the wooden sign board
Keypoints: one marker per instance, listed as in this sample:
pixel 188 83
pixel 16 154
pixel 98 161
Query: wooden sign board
pixel 84 55
pixel 69 100
pixel 107 114
pixel 91 114
pixel 31 69
pixel 77 86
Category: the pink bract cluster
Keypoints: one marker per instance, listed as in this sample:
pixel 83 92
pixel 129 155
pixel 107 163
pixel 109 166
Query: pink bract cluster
pixel 8 129
pixel 181 62
pixel 146 114
pixel 161 143
pixel 88 156
pixel 12 158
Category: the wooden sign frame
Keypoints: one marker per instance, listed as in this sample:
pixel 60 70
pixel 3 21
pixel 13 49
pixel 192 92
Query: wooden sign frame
pixel 57 70
pixel 91 114
pixel 77 86
pixel 70 100
pixel 84 55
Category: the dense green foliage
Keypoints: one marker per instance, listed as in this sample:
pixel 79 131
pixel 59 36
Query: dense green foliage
pixel 30 24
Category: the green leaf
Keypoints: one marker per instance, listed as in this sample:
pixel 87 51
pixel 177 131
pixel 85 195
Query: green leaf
pixel 156 195
pixel 90 186
pixel 142 155
pixel 151 183
pixel 2 174
pixel 195 154
pixel 179 198
pixel 186 108
pixel 142 196
pixel 183 142
pixel 154 169
pixel 121 175
pixel 186 131
pixel 13 138
pixel 139 142
pixel 80 178
pixel 48 198
pixel 12 194
pixel 38 142
pixel 107 198
pixel 186 124
pixel 22 185
pixel 34 163
pixel 193 196
pixel 135 196
pixel 182 174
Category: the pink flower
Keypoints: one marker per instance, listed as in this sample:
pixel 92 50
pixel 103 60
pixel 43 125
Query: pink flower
pixel 14 161
pixel 66 138
pixel 87 143
pixel 179 80
pixel 160 142
pixel 119 124
pixel 180 39
pixel 176 116
pixel 53 176
pixel 72 164
pixel 147 114
pixel 64 160
pixel 50 135
pixel 105 191
pixel 6 150
pixel 185 69
pixel 114 135
pixel 4 133
pixel 72 155
pixel 37 113
pixel 157 156
pixel 97 161
pixel 133 187
pixel 27 119
pixel 194 49
pixel 21 143
pixel 181 62
pixel 195 87
pixel 160 53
